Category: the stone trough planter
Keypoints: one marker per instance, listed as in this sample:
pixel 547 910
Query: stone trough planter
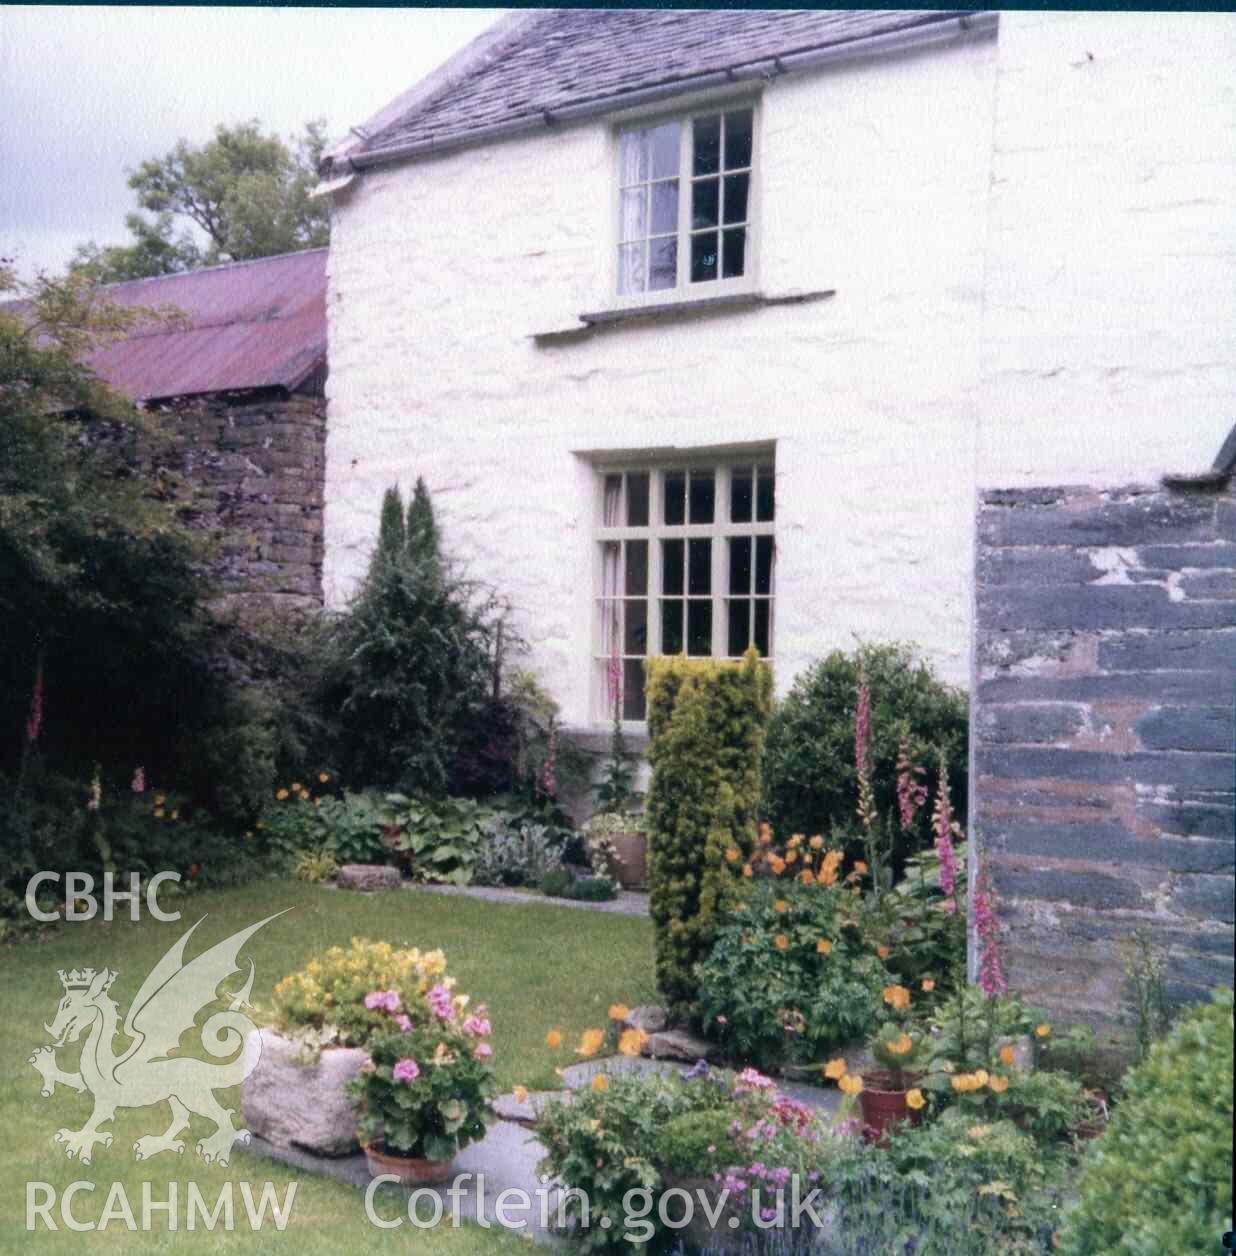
pixel 292 1104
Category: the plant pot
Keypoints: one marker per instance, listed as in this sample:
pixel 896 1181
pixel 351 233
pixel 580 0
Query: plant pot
pixel 411 1170
pixel 883 1105
pixel 632 850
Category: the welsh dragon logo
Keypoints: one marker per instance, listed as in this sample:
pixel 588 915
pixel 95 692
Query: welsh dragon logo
pixel 164 1009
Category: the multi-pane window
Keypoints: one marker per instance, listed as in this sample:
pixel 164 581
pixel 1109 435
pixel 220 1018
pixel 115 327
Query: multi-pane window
pixel 686 566
pixel 684 211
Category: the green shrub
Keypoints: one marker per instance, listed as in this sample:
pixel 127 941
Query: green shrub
pixel 562 883
pixel 442 839
pixel 788 977
pixel 516 855
pixel 557 882
pixel 354 826
pixel 706 723
pixel 1160 1178
pixel 809 780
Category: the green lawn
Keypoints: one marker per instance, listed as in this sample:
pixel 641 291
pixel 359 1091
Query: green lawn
pixel 535 966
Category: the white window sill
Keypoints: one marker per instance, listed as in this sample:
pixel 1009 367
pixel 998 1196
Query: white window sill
pixel 694 307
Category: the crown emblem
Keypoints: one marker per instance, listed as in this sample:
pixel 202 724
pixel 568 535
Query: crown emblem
pixel 77 978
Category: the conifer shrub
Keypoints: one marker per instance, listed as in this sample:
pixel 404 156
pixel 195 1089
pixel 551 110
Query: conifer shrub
pixel 706 722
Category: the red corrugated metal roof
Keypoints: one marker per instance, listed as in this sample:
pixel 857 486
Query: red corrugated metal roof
pixel 251 325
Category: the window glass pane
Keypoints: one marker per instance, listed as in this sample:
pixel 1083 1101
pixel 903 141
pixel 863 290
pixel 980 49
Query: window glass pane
pixel 738 139
pixel 631 268
pixel 707 145
pixel 635 623
pixel 704 256
pixel 763 564
pixel 699 566
pixel 741 488
pixel 699 628
pixel 703 496
pixel 705 203
pixel 665 207
pixel 632 689
pixel 734 255
pixel 613 495
pixel 637 569
pixel 739 626
pixel 664 141
pixel 611 556
pixel 637 498
pixel 663 273
pixel 764 496
pixel 671 627
pixel 763 627
pixel 671 567
pixel 633 157
pixel 736 187
pixel 740 564
pixel 633 223
pixel 675 497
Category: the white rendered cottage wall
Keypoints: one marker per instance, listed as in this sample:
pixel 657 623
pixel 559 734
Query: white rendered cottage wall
pixel 1108 349
pixel 872 181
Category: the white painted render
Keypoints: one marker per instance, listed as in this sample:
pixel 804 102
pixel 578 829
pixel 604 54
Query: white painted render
pixel 978 313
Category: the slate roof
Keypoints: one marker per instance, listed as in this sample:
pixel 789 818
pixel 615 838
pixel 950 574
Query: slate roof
pixel 573 56
pixel 251 325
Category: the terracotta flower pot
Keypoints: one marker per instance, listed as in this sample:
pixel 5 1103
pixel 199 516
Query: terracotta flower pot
pixel 883 1105
pixel 412 1170
pixel 632 850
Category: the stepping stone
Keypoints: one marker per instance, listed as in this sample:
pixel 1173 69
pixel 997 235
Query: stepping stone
pixel 677 1044
pixel 525 1112
pixel 368 877
pixel 650 1018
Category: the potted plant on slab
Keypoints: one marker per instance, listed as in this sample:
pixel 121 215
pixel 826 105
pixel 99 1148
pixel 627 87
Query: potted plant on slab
pixel 426 1091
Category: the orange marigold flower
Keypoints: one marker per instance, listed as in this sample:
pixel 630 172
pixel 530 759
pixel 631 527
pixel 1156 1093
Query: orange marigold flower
pixel 824 946
pixel 806 876
pixel 553 1038
pixel 619 1011
pixel 324 777
pixel 816 842
pixel 860 867
pixel 297 787
pixel 600 1081
pixel 747 870
pixel 914 1098
pixel 980 1077
pixel 791 856
pixel 631 1041
pixel 897 997
pixel 1007 1056
pixel 901 1044
pixel 281 794
pixel 851 1083
pixel 998 1084
pixel 590 1042
pixel 781 941
pixel 733 854
pixel 835 1068
pixel 882 951
pixel 929 984
pixel 1043 1030
pixel 780 905
pixel 796 839
pixel 777 864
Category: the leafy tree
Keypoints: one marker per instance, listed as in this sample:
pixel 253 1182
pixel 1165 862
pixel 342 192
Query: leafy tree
pixel 244 192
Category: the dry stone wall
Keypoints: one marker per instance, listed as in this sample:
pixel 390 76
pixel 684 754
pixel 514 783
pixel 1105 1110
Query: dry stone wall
pixel 1104 730
pixel 253 468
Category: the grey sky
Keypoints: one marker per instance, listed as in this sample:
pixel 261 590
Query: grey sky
pixel 85 92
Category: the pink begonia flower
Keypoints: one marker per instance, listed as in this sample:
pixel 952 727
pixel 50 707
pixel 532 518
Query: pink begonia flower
pixel 407 1070
pixel 477 1025
pixel 483 1051
pixel 404 1023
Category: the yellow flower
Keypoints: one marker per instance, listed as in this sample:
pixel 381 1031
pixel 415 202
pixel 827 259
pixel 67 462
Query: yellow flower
pixel 1007 1056
pixel 780 905
pixel 781 941
pixel 980 1078
pixel 915 1098
pixel 897 997
pixel 835 1068
pixel 851 1083
pixel 732 855
pixel 324 777
pixel 816 842
pixel 860 867
pixel 929 984
pixel 520 1093
pixel 740 906
pixel 960 1081
pixel 160 799
pixel 882 951
pixel 765 834
pixel 899 1046
pixel 619 1011
pixel 777 864
pixel 823 946
pixel 791 856
pixel 747 870
pixel 175 815
pixel 590 1042
pixel 159 812
pixel 553 1038
pixel 631 1040
pixel 600 1081
pixel 1043 1030
pixel 281 795
pixel 795 840
pixel 806 876
pixel 317 802
pixel 998 1084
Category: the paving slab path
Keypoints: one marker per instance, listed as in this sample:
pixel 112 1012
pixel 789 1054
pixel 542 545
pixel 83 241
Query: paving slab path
pixel 628 902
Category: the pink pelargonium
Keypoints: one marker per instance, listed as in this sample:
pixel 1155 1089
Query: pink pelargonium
pixel 477 1025
pixel 440 1002
pixel 382 1000
pixel 483 1051
pixel 406 1070
pixel 404 1023
pixel 752 1079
